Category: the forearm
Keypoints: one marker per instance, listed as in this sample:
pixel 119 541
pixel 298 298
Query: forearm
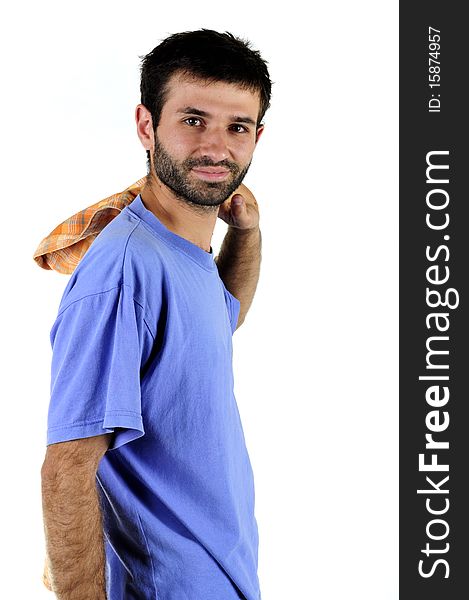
pixel 239 263
pixel 74 535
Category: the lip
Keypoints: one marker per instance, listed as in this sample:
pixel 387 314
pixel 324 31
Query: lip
pixel 210 173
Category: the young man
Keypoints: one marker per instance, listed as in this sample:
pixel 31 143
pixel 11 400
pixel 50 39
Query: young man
pixel 147 485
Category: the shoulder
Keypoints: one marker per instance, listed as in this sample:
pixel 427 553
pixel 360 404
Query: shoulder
pixel 124 253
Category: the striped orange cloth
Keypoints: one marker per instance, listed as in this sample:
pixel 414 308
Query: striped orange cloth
pixel 66 245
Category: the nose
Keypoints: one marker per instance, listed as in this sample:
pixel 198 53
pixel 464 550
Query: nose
pixel 214 145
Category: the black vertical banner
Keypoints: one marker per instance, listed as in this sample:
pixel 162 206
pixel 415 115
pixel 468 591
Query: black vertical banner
pixel 434 348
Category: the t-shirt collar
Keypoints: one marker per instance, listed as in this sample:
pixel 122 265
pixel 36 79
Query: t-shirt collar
pixel 206 259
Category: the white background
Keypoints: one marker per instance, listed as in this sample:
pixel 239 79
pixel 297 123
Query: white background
pixel 316 359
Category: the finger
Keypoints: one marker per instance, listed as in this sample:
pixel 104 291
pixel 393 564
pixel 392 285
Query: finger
pixel 238 206
pixel 237 200
pixel 45 576
pixel 46 582
pixel 224 211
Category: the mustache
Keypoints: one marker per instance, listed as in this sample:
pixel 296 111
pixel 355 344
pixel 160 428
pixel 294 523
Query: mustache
pixel 190 163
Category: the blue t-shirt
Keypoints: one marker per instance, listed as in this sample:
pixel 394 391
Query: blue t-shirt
pixel 142 347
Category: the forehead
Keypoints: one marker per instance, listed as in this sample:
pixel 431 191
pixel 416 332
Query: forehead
pixel 215 97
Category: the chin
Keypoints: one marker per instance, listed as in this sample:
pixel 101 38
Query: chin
pixel 207 199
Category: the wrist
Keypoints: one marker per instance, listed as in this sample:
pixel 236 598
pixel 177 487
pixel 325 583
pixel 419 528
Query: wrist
pixel 246 231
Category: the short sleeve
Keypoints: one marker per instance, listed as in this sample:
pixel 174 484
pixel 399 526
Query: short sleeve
pixel 99 345
pixel 233 306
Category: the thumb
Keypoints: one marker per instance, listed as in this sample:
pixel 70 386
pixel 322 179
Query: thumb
pixel 237 200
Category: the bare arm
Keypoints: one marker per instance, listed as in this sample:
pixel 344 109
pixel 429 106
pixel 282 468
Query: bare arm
pixel 72 518
pixel 239 264
pixel 239 259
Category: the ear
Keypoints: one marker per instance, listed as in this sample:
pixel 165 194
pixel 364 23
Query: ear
pixel 259 131
pixel 145 127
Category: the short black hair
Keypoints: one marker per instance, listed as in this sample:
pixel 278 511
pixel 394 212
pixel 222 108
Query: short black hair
pixel 205 54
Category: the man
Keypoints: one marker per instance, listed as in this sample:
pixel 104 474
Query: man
pixel 147 485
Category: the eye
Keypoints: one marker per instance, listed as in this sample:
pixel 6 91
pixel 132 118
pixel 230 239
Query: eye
pixel 193 121
pixel 237 128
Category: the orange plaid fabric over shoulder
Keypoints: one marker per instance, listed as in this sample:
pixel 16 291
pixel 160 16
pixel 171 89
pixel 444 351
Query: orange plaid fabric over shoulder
pixel 66 245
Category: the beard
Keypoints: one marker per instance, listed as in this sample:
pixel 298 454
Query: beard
pixel 176 176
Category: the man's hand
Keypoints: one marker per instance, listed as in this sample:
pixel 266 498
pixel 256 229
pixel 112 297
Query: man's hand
pixel 240 210
pixel 72 518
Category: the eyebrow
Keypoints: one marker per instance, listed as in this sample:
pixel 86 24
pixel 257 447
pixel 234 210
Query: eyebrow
pixel 191 110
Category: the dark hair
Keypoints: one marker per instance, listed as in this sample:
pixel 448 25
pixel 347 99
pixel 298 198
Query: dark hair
pixel 206 54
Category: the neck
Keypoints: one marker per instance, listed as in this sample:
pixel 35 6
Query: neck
pixel 194 223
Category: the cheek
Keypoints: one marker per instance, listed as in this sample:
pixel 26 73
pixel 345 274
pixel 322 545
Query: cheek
pixel 243 150
pixel 177 142
pixel 178 147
